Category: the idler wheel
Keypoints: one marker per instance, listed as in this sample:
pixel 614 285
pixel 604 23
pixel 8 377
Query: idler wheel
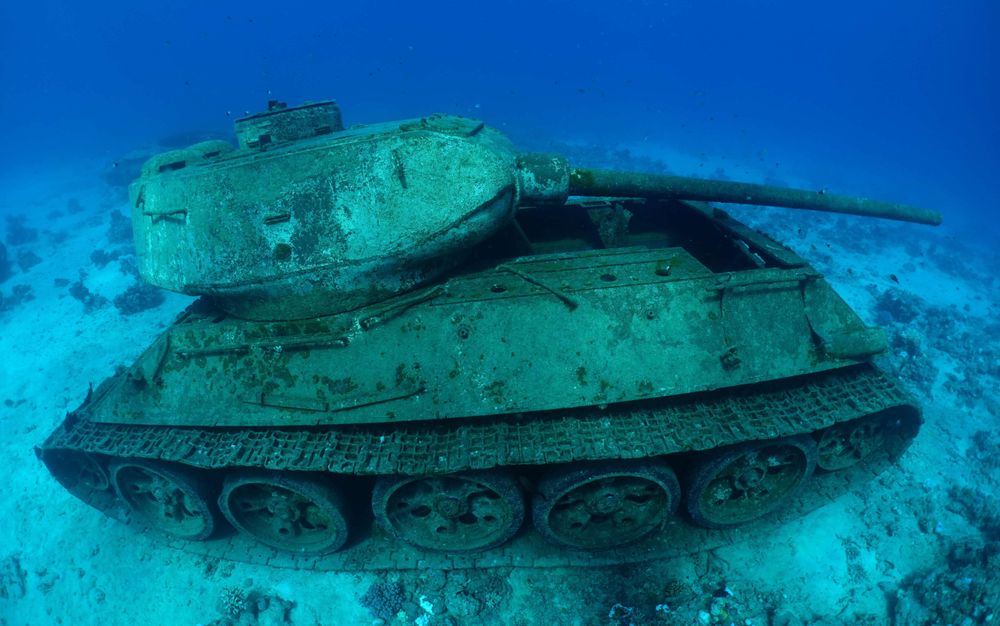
pixel 842 445
pixel 464 512
pixel 169 499
pixel 92 475
pixel 76 469
pixel 291 513
pixel 599 506
pixel 740 484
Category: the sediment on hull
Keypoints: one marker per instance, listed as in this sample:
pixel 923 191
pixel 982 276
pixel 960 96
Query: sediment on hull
pixel 680 424
pixel 79 452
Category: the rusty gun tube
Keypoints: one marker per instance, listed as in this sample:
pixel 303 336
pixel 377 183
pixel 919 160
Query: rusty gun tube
pixel 601 182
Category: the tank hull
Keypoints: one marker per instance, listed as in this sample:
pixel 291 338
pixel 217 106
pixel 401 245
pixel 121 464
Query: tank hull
pixel 808 404
pixel 683 344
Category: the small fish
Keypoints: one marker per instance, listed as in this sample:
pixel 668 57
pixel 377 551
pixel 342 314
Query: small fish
pixel 894 278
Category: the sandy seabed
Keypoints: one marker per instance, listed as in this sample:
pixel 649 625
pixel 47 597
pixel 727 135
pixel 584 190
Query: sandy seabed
pixel 917 546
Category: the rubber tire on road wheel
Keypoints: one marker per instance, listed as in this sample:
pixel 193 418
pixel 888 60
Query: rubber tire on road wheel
pixel 196 491
pixel 283 527
pixel 708 482
pixel 597 518
pixel 419 503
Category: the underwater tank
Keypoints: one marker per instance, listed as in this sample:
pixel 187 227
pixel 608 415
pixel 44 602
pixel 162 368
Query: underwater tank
pixel 415 346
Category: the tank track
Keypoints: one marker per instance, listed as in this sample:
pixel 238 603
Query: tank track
pixel 708 420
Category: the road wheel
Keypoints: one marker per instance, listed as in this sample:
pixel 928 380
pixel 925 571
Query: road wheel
pixel 604 505
pixel 304 515
pixel 464 512
pixel 174 500
pixel 740 484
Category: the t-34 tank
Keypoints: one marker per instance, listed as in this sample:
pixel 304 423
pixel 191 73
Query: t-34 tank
pixel 415 346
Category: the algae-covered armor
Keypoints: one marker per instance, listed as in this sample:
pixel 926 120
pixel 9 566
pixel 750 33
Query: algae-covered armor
pixel 416 346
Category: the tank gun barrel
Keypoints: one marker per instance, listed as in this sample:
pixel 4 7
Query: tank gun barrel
pixel 602 182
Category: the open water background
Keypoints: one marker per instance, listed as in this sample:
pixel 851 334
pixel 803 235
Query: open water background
pixel 896 99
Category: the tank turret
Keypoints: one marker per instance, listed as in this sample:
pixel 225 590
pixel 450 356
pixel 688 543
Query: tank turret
pixel 306 217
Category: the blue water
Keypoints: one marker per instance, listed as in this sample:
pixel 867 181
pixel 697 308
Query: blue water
pixel 894 99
